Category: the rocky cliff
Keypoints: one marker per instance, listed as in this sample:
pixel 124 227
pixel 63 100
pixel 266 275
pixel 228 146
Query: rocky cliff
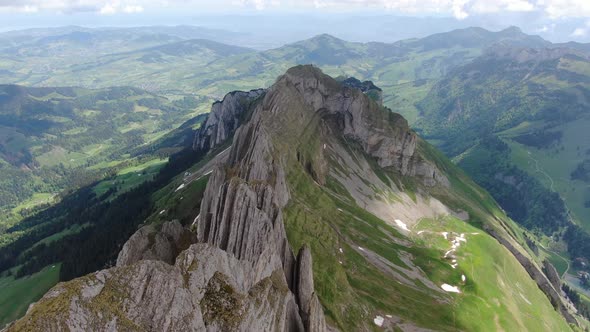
pixel 207 289
pixel 224 119
pixel 381 133
pixel 243 276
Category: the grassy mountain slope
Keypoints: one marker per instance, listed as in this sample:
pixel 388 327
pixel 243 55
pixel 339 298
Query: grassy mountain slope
pixel 57 138
pixel 365 264
pixel 85 230
pixel 516 119
pixel 36 56
pixel 535 100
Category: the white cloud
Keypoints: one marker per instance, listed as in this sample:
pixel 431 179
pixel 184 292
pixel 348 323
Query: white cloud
pixel 582 31
pixel 546 28
pixel 520 6
pixel 460 9
pixel 132 9
pixel 258 4
pixel 579 32
pixel 565 8
pixel 108 9
pixel 72 6
pixel 117 6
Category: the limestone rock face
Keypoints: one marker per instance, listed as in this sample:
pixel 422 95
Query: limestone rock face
pixel 367 87
pixel 224 119
pixel 382 134
pixel 206 290
pixel 552 275
pixel 310 308
pixel 149 243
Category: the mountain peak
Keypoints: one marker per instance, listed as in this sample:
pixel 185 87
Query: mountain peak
pixel 326 37
pixel 512 31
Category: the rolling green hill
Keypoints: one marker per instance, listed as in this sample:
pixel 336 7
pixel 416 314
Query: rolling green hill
pixel 36 56
pixel 52 139
pixel 516 119
pixel 536 100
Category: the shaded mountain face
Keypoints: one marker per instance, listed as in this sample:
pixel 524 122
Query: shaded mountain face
pixel 50 138
pixel 388 232
pixel 503 88
pixel 516 119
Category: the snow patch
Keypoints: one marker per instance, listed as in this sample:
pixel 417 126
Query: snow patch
pixel 379 320
pixel 445 235
pixel 401 225
pixel 463 278
pixel 361 249
pixel 162 212
pixel 179 187
pixel 341 251
pixel 450 289
pixel 420 232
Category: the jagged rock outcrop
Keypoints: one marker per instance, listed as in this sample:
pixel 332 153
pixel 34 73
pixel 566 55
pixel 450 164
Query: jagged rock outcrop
pixel 241 210
pixel 206 290
pixel 367 87
pixel 538 276
pixel 552 275
pixel 224 119
pixel 149 243
pixel 309 306
pixel 383 134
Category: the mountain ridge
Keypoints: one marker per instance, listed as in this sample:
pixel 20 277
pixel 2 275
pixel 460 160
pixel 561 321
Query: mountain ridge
pixel 292 180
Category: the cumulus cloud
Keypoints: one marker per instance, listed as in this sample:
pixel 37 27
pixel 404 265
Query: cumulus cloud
pixel 582 31
pixel 546 28
pixel 565 8
pixel 73 6
pixel 460 9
